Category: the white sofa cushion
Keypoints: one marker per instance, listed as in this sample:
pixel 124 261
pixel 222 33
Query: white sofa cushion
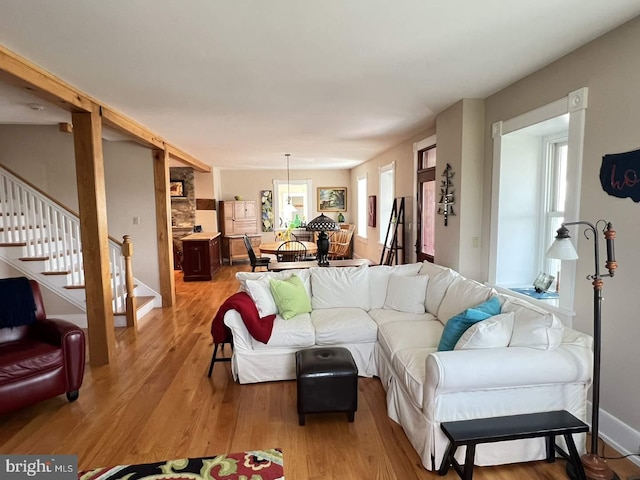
pixel 533 326
pixel 260 293
pixel 494 332
pixel 439 282
pixel 302 273
pixel 295 332
pixel 463 293
pixel 406 294
pixel 340 287
pixel 382 316
pixel 396 336
pixel 335 326
pixel 379 279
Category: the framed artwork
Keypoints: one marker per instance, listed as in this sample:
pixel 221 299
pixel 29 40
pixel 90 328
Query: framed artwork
pixel 372 211
pixel 176 189
pixel 332 199
pixel 266 198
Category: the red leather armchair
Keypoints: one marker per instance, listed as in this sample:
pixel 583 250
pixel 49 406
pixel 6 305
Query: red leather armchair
pixel 41 360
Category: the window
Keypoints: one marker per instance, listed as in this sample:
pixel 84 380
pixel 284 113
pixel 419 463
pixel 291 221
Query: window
pixel 426 203
pixel 555 198
pixel 363 206
pixel 387 194
pixel 298 190
pixel 537 168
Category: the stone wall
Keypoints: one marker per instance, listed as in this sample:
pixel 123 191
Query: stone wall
pixel 183 209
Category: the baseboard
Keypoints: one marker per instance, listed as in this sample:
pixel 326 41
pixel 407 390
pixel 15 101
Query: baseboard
pixel 618 435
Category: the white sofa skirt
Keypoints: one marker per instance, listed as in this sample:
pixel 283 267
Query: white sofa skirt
pixel 429 441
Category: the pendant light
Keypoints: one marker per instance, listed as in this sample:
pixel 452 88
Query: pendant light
pixel 288 208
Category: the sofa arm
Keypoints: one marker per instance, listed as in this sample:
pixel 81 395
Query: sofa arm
pixel 241 336
pixel 72 340
pixel 499 368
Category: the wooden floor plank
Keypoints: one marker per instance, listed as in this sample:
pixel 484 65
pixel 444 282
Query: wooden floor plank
pixel 155 402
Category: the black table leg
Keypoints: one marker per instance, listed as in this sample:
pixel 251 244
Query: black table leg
pixel 574 458
pixel 550 443
pixel 468 461
pixel 446 459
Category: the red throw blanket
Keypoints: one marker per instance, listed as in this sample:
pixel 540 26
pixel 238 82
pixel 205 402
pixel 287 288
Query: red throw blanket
pixel 259 328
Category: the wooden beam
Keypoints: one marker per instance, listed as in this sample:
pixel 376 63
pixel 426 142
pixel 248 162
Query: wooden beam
pixel 21 72
pixel 178 154
pixel 87 138
pixel 125 125
pixel 163 227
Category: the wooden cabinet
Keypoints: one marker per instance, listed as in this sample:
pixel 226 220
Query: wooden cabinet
pixel 237 218
pixel 200 256
pixel 233 247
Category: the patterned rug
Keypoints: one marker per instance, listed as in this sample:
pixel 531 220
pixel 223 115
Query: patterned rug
pixel 252 465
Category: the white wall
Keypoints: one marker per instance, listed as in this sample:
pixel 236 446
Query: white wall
pixel 520 177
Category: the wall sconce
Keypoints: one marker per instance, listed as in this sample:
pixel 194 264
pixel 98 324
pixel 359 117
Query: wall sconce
pixel 446 203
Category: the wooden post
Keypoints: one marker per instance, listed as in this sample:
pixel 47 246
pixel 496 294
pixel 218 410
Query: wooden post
pixel 132 303
pixel 87 139
pixel 163 227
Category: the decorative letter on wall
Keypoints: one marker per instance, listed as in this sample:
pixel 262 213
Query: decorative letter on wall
pixel 619 175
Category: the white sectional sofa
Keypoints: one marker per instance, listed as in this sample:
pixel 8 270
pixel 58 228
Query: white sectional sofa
pixel 392 320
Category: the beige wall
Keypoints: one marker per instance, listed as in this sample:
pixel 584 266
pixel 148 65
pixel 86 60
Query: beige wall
pixel 250 183
pixel 45 157
pixel 610 68
pixel 403 155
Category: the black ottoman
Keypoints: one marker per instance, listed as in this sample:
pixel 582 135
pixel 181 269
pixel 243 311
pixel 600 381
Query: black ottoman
pixel 327 381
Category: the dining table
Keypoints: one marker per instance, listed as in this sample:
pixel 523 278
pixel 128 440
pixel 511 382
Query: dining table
pixel 272 247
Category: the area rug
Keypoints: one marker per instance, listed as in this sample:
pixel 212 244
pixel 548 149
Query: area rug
pixel 251 465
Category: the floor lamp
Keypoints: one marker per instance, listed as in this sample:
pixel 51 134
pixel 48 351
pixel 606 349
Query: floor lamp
pixel 594 466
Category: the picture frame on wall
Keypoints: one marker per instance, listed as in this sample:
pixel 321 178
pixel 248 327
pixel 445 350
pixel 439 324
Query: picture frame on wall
pixel 372 211
pixel 332 199
pixel 176 189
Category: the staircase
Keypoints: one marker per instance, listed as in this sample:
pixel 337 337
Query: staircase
pixel 41 239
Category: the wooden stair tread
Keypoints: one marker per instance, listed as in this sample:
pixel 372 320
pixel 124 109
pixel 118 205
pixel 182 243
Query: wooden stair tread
pixel 61 272
pixel 13 244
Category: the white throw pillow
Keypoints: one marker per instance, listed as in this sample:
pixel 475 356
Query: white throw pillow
pixel 406 293
pixel 463 293
pixel 533 326
pixel 439 282
pixel 379 279
pixel 260 292
pixel 494 332
pixel 302 273
pixel 340 287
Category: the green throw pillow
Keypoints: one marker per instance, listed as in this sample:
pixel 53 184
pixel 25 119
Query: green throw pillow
pixel 290 297
pixel 459 323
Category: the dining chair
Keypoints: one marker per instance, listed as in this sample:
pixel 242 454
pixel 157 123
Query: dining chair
pixel 255 261
pixel 291 251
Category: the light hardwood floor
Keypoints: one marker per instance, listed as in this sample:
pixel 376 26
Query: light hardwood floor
pixel 155 402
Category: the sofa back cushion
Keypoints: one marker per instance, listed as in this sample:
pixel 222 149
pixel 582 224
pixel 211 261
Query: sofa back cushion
pixel 334 287
pixel 463 293
pixel 533 326
pixel 379 279
pixel 439 282
pixel 406 293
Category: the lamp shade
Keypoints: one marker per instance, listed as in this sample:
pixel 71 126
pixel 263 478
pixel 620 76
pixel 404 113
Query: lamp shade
pixel 322 223
pixel 288 209
pixel 562 248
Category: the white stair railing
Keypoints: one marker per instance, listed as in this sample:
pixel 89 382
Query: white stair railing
pixel 48 230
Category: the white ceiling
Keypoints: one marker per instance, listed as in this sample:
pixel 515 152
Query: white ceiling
pixel 238 83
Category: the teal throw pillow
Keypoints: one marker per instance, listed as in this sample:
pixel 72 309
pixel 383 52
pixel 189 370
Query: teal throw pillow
pixel 290 297
pixel 458 324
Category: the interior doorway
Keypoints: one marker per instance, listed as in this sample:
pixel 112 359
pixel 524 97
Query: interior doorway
pixel 426 200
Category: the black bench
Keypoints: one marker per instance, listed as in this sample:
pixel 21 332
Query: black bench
pixel 470 433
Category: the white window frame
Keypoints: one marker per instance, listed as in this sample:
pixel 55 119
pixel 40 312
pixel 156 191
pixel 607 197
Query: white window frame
pixel 575 104
pixel 363 207
pixel 309 200
pixel 386 199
